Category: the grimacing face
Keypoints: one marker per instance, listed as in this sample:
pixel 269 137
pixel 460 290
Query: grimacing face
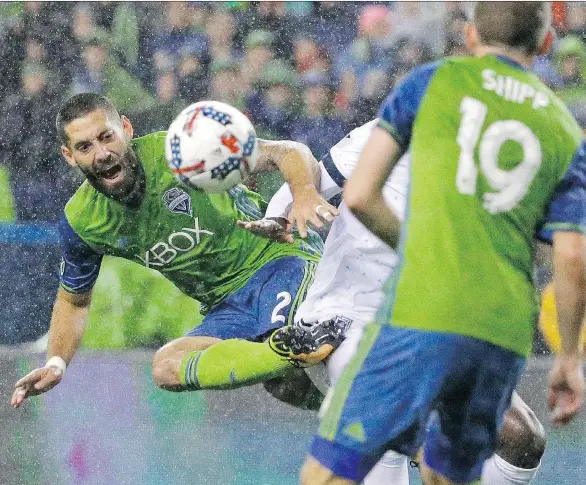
pixel 99 145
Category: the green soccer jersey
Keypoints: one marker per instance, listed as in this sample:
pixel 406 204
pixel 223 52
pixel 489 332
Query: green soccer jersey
pixel 496 160
pixel 187 235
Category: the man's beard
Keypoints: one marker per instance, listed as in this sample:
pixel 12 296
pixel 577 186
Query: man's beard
pixel 130 189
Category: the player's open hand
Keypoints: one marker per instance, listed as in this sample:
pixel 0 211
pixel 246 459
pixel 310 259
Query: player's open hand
pixel 36 382
pixel 278 230
pixel 309 206
pixel 566 388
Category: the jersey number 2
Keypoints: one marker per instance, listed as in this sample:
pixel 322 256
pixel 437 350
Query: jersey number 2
pixel 510 185
pixel 286 299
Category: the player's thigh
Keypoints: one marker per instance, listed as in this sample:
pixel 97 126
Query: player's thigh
pixel 470 409
pixel 283 290
pixel 267 301
pixel 314 473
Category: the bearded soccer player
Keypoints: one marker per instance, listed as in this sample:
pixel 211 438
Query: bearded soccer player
pixel 348 288
pixel 496 160
pixel 132 207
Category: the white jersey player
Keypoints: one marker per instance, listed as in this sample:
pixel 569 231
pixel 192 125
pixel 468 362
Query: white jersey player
pixel 349 278
pixel 348 285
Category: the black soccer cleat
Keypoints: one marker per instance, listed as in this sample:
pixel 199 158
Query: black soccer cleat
pixel 309 344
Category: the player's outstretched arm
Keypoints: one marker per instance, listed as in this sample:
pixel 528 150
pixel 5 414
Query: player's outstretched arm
pixel 363 192
pixel 301 171
pixel 275 225
pixel 68 323
pixel 566 380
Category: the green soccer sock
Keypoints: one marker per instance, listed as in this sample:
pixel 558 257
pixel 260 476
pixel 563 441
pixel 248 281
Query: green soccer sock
pixel 230 364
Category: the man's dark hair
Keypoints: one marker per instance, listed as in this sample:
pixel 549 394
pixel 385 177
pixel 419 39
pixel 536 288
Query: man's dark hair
pixel 517 25
pixel 78 106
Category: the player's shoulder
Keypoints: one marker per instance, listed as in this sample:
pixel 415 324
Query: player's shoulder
pixel 419 77
pixel 81 203
pixel 151 145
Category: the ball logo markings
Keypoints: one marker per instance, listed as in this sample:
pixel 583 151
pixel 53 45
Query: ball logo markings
pixel 222 118
pixel 225 168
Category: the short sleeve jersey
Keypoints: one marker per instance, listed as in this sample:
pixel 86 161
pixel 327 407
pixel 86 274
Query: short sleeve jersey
pixel 496 160
pixel 187 235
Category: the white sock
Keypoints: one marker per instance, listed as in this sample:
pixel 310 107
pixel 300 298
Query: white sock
pixel 392 469
pixel 497 471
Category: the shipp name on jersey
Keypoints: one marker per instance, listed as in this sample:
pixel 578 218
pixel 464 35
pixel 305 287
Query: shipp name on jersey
pixel 511 89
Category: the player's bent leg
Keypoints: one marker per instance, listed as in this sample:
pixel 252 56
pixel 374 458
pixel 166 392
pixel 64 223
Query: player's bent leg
pixel 223 364
pixel 167 360
pixel 520 448
pixel 296 389
pixel 314 473
pixel 522 437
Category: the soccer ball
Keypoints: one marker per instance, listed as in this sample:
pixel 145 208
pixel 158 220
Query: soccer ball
pixel 211 146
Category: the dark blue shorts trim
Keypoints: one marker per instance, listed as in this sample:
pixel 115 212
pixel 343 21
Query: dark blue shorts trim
pixel 344 462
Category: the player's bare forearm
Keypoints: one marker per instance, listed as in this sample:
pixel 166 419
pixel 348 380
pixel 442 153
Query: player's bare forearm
pixel 566 379
pixel 68 322
pixel 67 326
pixel 301 171
pixel 363 192
pixel 569 253
pixel 380 220
pixel 294 160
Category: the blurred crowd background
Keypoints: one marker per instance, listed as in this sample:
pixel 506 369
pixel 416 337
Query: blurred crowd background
pixel 307 71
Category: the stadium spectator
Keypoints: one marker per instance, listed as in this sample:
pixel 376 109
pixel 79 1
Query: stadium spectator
pixel 365 107
pixel 333 25
pixel 221 29
pixel 12 53
pixel 308 56
pixel 259 50
pixel 179 35
pixel 28 149
pixel 168 104
pixel 139 53
pixel 271 105
pixel 576 19
pixel 193 73
pixel 274 17
pixel 100 73
pixel 317 127
pixel 570 64
pixel 226 83
pixel 372 49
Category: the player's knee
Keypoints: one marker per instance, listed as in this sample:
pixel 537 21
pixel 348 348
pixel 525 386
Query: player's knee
pixel 313 473
pixel 295 389
pixel 166 369
pixel 522 437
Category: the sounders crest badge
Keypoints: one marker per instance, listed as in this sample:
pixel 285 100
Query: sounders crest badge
pixel 178 201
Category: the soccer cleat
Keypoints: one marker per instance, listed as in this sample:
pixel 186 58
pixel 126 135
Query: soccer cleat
pixel 309 344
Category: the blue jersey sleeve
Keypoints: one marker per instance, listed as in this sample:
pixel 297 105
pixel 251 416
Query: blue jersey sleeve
pixel 397 113
pixel 567 210
pixel 80 264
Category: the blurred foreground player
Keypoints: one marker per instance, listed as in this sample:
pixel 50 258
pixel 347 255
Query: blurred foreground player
pixel 348 288
pixel 131 206
pixel 496 159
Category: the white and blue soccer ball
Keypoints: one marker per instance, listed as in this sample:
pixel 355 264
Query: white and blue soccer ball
pixel 211 146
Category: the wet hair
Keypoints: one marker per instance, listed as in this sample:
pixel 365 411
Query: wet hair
pixel 517 25
pixel 78 106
